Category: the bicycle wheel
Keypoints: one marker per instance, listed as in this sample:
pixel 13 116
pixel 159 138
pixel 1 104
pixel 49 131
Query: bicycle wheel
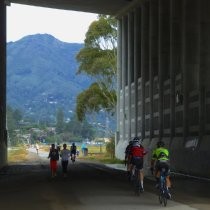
pixel 164 200
pixel 137 183
pixel 137 188
pixel 160 199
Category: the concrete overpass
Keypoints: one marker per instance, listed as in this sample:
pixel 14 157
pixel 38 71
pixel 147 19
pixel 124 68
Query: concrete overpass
pixel 163 75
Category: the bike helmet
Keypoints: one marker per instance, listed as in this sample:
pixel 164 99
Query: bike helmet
pixel 136 141
pixel 160 144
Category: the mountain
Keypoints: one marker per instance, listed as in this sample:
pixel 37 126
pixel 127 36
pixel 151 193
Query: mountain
pixel 41 75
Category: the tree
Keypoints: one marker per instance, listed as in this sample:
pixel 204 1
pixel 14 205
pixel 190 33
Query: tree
pixel 79 129
pixel 98 60
pixel 17 115
pixel 60 121
pixel 13 118
pixel 11 123
pixel 110 148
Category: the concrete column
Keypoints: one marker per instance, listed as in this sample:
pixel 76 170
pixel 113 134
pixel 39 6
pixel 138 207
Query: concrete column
pixel 160 73
pixel 3 131
pixel 153 57
pixel 119 74
pixel 184 76
pixel 130 65
pixel 124 67
pixel 191 57
pixel 144 57
pixel 204 76
pixel 137 61
pixel 175 57
pixel 164 43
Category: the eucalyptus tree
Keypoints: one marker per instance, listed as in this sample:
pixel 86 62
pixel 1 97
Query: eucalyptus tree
pixel 97 59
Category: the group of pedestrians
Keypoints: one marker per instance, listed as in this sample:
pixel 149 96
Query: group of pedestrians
pixel 134 157
pixel 64 154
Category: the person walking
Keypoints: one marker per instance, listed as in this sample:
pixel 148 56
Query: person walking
pixel 73 151
pixel 65 154
pixel 54 157
pixel 37 148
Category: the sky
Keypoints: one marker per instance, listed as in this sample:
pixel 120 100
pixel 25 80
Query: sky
pixel 67 26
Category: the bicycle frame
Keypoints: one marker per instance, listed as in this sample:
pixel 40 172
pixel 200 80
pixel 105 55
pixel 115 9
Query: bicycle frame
pixel 136 180
pixel 162 188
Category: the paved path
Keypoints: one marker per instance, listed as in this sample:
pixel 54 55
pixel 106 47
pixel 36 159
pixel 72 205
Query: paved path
pixel 89 186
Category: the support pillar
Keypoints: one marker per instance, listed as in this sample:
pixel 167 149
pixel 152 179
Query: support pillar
pixel 130 66
pixel 144 58
pixel 137 64
pixel 204 76
pixel 153 58
pixel 3 131
pixel 124 72
pixel 164 46
pixel 119 77
pixel 175 56
pixel 160 71
pixel 190 57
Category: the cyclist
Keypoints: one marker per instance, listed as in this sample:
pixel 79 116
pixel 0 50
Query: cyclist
pixel 160 159
pixel 128 157
pixel 73 151
pixel 137 153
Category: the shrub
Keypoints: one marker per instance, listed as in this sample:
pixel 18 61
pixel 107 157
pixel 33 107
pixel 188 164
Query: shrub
pixel 110 148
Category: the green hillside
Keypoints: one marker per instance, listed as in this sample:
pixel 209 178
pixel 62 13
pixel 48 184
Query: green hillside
pixel 41 75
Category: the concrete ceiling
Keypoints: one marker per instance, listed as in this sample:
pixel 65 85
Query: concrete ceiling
pixel 109 7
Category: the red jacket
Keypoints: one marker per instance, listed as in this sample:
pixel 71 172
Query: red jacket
pixel 138 151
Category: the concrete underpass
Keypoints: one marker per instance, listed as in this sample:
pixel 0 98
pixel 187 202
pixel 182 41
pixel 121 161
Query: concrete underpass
pixel 163 93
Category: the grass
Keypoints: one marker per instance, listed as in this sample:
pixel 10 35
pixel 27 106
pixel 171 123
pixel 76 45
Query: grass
pixel 102 159
pixel 96 153
pixel 17 154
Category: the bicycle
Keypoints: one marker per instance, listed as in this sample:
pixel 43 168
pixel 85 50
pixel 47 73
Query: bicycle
pixel 136 181
pixel 163 191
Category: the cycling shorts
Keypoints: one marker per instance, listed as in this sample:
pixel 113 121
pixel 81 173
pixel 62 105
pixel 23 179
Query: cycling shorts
pixel 73 152
pixel 159 165
pixel 138 162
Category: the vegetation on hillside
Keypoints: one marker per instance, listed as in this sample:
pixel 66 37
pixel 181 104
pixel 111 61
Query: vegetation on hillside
pixel 48 102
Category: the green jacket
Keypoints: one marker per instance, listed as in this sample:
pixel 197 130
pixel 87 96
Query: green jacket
pixel 160 153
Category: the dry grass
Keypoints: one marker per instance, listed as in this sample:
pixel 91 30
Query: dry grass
pixel 95 153
pixel 17 154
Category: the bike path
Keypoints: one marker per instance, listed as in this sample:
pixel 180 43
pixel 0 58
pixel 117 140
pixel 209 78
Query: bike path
pixel 90 186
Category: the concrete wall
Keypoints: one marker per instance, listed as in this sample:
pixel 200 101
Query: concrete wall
pixel 170 98
pixel 3 154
